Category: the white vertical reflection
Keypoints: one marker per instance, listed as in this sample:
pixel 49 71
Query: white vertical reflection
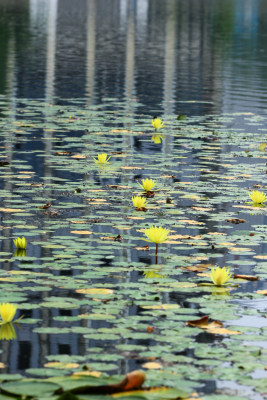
pixel 141 16
pixel 129 86
pixel 50 77
pixel 10 72
pixel 51 50
pixel 123 11
pixel 130 53
pixel 129 65
pixel 169 64
pixel 90 50
pixel 38 11
pixel 33 11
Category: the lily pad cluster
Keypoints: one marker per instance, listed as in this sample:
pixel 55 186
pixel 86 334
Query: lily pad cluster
pixel 91 290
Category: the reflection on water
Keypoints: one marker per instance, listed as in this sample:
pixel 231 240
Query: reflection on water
pixel 192 57
pixel 7 331
pixel 157 138
pixel 210 54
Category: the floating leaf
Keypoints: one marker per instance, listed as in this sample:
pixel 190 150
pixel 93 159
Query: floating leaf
pixel 261 257
pixel 246 277
pixel 30 388
pixel 11 210
pixel 215 327
pixel 96 374
pixel 133 167
pixel 61 365
pixel 236 220
pixel 162 307
pixel 95 291
pixel 191 222
pixel 78 156
pixel 264 291
pixel 81 232
pixel 152 365
pixel 262 146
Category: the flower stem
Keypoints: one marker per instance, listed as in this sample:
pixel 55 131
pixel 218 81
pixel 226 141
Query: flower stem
pixel 157 247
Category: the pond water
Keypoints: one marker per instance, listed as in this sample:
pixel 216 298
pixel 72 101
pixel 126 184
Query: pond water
pixel 85 79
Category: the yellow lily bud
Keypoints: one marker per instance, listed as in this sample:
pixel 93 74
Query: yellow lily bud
pixel 157 123
pixel 7 312
pixel 20 243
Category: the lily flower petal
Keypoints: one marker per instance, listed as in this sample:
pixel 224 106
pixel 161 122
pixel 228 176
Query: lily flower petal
pixel 219 276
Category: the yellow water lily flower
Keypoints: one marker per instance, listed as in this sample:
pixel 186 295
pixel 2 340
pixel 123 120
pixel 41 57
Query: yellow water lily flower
pixel 157 123
pixel 7 332
pixel 219 276
pixel 20 243
pixel 101 158
pixel 7 312
pixel 147 184
pixel 156 234
pixel 157 138
pixel 139 202
pixel 257 197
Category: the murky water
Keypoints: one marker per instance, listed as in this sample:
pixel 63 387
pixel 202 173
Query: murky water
pixel 88 78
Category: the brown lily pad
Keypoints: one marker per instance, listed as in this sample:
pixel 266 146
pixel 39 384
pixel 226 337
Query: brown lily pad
pixel 215 327
pixel 236 220
pixel 246 277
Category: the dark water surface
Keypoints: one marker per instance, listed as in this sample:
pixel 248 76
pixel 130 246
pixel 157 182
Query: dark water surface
pixel 72 72
pixel 163 53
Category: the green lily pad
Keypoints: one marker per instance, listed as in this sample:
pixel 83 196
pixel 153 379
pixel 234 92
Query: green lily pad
pixel 30 388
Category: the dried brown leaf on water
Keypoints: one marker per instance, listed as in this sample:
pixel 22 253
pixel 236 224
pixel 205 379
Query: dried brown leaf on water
pixel 246 277
pixel 264 291
pixel 78 156
pixel 47 205
pixel 121 187
pixel 236 220
pixel 63 153
pixel 152 365
pixel 191 222
pixel 133 380
pixel 117 238
pixel 143 248
pixel 198 268
pixel 215 327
